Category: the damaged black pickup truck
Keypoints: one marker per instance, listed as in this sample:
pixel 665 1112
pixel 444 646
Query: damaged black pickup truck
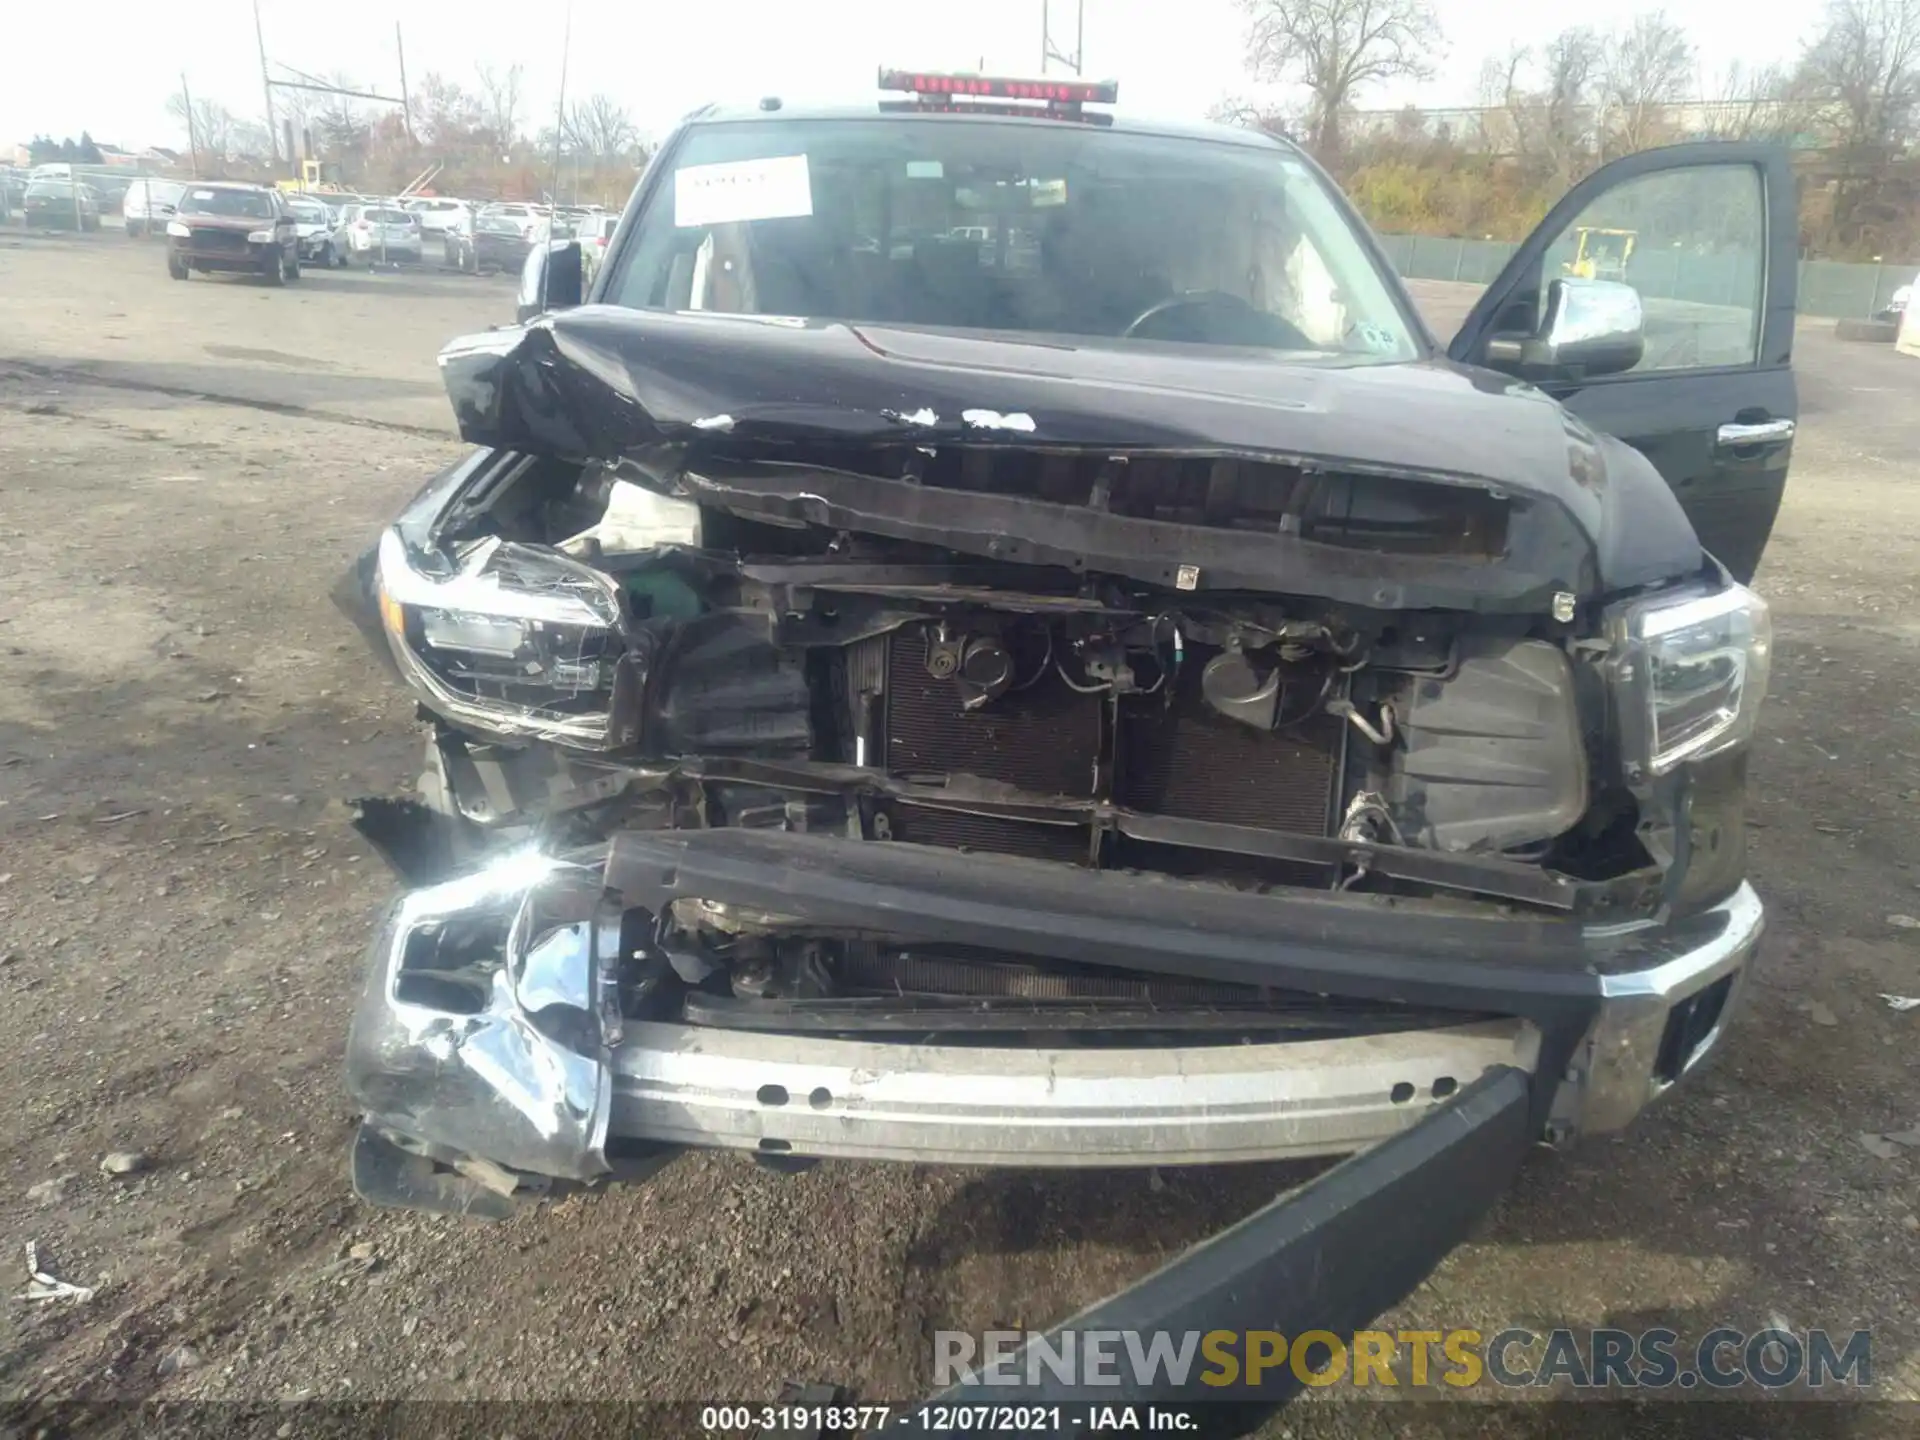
pixel 994 635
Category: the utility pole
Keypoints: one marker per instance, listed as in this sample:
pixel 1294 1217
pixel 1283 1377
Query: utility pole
pixel 266 83
pixel 559 136
pixel 193 140
pixel 406 106
pixel 1047 52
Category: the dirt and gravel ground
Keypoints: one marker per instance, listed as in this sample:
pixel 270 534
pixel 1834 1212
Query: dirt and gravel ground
pixel 184 469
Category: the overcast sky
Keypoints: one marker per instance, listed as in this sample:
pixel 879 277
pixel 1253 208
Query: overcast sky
pixel 1172 57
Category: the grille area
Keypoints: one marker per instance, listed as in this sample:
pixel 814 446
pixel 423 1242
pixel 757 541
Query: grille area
pixel 922 825
pixel 1192 763
pixel 211 239
pixel 1045 739
pixel 1182 761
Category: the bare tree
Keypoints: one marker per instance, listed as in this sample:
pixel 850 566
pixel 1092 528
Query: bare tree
pixel 1543 103
pixel 447 116
pixel 602 128
pixel 1335 49
pixel 342 127
pixel 1862 73
pixel 500 103
pixel 212 125
pixel 1864 65
pixel 1647 68
pixel 1751 103
pixel 1575 64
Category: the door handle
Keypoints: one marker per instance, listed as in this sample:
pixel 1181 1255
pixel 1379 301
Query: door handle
pixel 1734 436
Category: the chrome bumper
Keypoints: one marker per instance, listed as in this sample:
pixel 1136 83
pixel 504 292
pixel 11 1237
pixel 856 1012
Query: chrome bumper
pixel 537 1074
pixel 1640 1045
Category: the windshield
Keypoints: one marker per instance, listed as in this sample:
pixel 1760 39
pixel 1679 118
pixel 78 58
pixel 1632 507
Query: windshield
pixel 1020 226
pixel 253 204
pixel 497 224
pixel 388 217
pixel 307 213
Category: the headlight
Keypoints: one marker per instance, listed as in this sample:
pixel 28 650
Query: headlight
pixel 180 228
pixel 1691 672
pixel 260 237
pixel 515 641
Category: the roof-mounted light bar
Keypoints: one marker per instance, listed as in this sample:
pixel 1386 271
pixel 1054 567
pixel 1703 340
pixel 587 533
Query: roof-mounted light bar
pixel 1002 87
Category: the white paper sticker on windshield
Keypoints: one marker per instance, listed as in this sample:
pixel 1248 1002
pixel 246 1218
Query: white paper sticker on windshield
pixel 203 194
pixel 777 188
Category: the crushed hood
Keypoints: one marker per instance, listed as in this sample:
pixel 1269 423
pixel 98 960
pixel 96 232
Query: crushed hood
pixel 602 382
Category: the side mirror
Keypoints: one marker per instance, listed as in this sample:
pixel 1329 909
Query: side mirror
pixel 552 278
pixel 1592 327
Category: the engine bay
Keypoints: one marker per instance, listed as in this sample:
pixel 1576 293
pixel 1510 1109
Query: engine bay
pixel 780 674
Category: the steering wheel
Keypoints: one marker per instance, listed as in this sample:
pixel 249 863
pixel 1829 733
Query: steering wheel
pixel 1240 314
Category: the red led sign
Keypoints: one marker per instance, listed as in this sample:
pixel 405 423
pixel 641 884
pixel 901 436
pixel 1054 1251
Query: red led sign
pixel 1000 87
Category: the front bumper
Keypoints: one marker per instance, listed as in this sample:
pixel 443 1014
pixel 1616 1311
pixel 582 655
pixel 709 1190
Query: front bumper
pixel 538 1075
pixel 501 254
pixel 246 256
pixel 393 249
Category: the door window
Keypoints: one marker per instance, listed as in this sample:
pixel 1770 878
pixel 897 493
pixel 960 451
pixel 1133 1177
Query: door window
pixel 1693 243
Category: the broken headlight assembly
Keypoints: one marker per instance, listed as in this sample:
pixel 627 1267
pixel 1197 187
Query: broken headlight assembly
pixel 1690 671
pixel 513 641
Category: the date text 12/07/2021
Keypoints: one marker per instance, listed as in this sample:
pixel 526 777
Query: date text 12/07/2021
pixel 936 1419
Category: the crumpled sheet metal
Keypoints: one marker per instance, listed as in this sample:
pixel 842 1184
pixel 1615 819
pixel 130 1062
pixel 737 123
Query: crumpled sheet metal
pixel 526 1081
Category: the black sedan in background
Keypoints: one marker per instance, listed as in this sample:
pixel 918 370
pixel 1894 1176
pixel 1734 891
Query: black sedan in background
pixel 62 205
pixel 500 240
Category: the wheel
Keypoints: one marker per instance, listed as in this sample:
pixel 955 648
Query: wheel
pixel 293 265
pixel 274 269
pixel 134 232
pixel 177 270
pixel 330 257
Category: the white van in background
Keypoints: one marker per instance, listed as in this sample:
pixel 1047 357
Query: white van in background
pixel 149 204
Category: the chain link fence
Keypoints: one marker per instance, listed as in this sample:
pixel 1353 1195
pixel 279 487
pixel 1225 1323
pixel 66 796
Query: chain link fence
pixel 85 198
pixel 1828 288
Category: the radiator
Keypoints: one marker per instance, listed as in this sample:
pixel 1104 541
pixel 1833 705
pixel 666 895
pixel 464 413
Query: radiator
pixel 1181 760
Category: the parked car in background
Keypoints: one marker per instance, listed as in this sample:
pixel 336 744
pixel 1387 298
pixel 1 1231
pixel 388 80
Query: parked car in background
pixel 438 214
pixel 340 201
pixel 524 216
pixel 149 204
pixel 319 233
pixel 595 235
pixel 109 190
pixel 499 240
pixel 233 227
pixel 1896 305
pixel 382 231
pixel 59 204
